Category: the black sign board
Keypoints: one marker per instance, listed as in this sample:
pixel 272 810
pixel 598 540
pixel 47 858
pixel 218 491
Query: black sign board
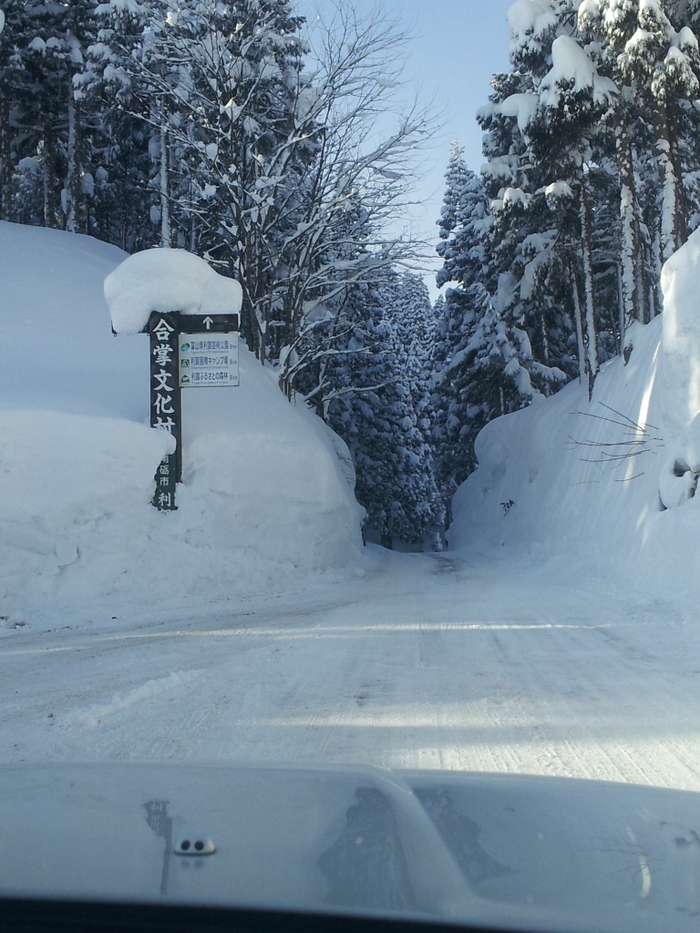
pixel 166 409
pixel 165 402
pixel 209 323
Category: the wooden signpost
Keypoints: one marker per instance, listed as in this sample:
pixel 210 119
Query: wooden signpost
pixel 187 351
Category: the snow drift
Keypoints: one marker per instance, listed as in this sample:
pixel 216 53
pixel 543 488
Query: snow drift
pixel 265 495
pixel 611 481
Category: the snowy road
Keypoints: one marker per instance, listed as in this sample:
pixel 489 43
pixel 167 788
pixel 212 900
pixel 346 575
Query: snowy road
pixel 454 662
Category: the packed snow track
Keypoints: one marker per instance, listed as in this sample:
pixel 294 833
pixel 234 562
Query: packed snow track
pixel 453 662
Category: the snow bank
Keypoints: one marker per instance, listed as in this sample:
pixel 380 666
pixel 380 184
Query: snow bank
pixel 73 492
pixel 61 353
pixel 679 474
pixel 611 481
pixel 266 498
pixel 680 370
pixel 166 280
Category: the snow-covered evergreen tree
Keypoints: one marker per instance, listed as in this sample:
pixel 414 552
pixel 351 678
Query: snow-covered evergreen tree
pixel 464 219
pixel 225 92
pixel 14 35
pixel 597 108
pixel 464 224
pixel 375 406
pixel 572 100
pixel 42 49
pixel 654 69
pixel 131 192
pixel 30 113
pixel 413 320
pixel 521 243
pixel 663 64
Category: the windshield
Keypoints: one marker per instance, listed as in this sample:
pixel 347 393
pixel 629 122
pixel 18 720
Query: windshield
pixel 348 526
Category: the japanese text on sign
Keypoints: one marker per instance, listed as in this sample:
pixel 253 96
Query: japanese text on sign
pixel 165 404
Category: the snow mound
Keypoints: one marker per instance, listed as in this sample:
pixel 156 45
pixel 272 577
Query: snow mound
pixel 679 474
pixel 611 481
pixel 680 371
pixel 266 498
pixel 61 353
pixel 73 491
pixel 166 280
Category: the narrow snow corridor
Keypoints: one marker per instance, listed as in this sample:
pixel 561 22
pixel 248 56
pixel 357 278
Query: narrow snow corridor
pixel 454 662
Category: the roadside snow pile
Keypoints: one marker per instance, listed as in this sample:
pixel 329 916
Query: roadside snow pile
pixel 680 365
pixel 611 480
pixel 57 347
pixel 74 492
pixel 166 280
pixel 265 496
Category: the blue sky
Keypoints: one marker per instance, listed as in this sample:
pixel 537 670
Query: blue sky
pixel 456 46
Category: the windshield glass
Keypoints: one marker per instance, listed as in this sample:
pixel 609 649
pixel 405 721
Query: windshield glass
pixel 349 444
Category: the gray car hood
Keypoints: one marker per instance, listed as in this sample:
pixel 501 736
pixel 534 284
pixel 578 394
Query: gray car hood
pixel 526 852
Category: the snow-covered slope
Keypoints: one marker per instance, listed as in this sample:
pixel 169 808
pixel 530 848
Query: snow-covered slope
pixel 612 480
pixel 265 494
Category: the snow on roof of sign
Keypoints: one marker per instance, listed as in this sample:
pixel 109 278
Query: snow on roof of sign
pixel 166 280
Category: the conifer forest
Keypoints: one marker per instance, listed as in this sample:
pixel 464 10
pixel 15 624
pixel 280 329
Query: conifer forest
pixel 227 128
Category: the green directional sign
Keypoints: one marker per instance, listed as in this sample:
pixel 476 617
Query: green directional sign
pixel 208 360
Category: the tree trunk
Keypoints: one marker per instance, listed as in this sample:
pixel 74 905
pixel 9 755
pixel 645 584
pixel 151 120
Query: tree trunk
pixel 242 248
pixel 673 222
pixel 630 248
pixel 5 166
pixel 579 329
pixel 164 186
pixel 646 311
pixel 49 177
pixel 589 303
pixel 72 183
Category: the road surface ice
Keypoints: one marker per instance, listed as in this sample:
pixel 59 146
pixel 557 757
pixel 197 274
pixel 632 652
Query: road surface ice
pixel 453 661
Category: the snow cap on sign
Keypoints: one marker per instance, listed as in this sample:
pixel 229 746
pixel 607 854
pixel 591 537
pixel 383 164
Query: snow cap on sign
pixel 166 280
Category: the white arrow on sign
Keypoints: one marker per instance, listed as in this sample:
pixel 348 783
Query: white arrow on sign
pixel 207 322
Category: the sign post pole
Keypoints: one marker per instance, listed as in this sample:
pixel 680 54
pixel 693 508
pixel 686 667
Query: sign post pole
pixel 166 408
pixel 190 351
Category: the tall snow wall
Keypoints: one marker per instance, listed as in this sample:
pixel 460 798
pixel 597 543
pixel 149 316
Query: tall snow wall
pixel 611 480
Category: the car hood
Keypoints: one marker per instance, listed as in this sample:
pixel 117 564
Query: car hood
pixel 525 852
